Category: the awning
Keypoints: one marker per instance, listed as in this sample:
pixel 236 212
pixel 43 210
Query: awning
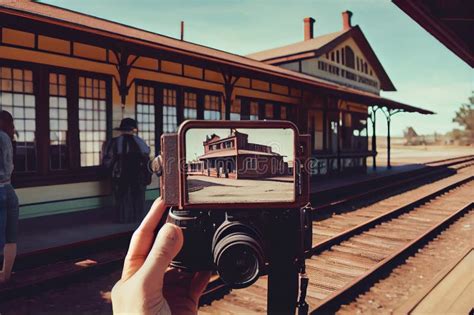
pixel 101 32
pixel 451 22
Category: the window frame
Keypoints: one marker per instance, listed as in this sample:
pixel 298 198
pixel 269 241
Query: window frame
pixel 108 111
pixel 181 89
pixel 68 138
pixel 44 176
pixel 190 91
pixel 155 98
pixel 36 89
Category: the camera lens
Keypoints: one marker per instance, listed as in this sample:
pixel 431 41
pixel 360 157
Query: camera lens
pixel 238 254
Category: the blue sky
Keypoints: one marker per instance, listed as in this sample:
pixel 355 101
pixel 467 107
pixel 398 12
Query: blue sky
pixel 425 73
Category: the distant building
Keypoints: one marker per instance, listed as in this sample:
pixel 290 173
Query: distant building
pixel 235 157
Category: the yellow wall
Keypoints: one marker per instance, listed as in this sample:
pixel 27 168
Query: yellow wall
pixel 59 57
pixel 358 53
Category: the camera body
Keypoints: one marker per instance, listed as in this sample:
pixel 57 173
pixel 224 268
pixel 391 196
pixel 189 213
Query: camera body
pixel 236 216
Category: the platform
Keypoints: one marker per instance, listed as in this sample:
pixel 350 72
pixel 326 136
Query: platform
pixel 454 293
pixel 450 291
pixel 43 233
pixel 317 184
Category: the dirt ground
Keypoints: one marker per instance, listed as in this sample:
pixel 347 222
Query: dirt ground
pixel 203 189
pixel 401 154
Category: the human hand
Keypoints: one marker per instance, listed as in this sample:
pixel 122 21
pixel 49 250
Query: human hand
pixel 148 285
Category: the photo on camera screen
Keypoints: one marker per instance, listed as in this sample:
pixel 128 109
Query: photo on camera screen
pixel 239 165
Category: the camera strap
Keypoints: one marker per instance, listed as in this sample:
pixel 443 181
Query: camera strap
pixel 303 307
pixel 304 280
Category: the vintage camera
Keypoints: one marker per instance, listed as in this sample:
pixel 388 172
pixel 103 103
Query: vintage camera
pixel 239 191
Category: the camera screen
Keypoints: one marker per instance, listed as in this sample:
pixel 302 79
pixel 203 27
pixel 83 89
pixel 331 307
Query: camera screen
pixel 239 165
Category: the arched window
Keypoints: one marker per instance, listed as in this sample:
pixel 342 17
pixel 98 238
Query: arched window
pixel 349 57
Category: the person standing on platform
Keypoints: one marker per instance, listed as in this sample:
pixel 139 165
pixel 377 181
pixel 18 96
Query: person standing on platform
pixel 127 159
pixel 9 210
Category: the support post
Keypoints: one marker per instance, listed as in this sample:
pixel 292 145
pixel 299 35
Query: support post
pixel 389 165
pixel 372 117
pixel 339 121
pixel 123 69
pixel 229 83
pixel 325 125
pixel 388 112
pixel 282 294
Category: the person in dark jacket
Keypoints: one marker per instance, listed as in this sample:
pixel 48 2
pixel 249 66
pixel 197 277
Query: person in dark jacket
pixel 127 159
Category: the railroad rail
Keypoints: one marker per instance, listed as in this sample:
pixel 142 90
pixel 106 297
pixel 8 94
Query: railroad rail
pixel 366 191
pixel 50 267
pixel 218 289
pixel 398 230
pixel 347 264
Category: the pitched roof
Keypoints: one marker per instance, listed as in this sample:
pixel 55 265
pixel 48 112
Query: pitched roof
pixel 50 14
pixel 320 45
pixel 296 48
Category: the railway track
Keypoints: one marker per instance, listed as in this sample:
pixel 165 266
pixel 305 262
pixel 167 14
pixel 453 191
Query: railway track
pixel 369 191
pixel 346 264
pixel 49 268
pixel 323 231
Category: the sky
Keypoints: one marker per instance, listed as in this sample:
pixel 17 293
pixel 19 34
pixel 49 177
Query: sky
pixel 425 73
pixel 281 140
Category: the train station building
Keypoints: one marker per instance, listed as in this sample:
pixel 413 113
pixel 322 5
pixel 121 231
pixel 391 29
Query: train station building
pixel 235 157
pixel 69 78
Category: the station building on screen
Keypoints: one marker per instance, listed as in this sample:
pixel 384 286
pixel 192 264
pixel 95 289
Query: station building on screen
pixel 237 158
pixel 69 78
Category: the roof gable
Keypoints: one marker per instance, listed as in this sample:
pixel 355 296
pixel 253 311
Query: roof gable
pixel 322 44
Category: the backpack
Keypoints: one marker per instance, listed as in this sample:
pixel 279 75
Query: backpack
pixel 131 166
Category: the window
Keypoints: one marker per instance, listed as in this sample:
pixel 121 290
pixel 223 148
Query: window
pixel 269 111
pixel 17 97
pixel 212 106
pixel 190 105
pixel 58 122
pixel 337 56
pixel 253 110
pixel 349 57
pixel 92 119
pixel 283 114
pixel 343 59
pixel 170 118
pixel 229 144
pixel 235 109
pixel 145 114
pixel 250 164
pixel 332 56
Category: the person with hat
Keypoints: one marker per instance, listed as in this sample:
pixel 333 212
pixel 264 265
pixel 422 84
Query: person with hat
pixel 127 159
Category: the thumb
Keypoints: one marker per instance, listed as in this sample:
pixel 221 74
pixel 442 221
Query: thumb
pixel 167 244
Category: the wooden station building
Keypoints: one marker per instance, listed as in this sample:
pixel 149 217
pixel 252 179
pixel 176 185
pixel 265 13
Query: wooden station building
pixel 235 157
pixel 69 78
